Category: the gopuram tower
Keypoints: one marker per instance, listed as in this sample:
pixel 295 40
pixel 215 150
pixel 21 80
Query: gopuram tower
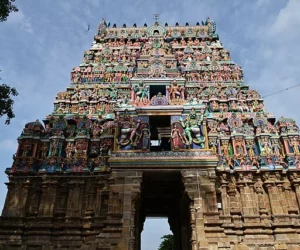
pixel 157 121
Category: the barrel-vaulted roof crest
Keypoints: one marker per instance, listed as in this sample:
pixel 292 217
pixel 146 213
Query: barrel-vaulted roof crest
pixel 156 30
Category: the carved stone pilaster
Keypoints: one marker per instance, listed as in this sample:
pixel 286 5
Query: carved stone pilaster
pixel 135 197
pixel 295 181
pixel 234 198
pixel 99 185
pixel 290 198
pixel 89 211
pixel 245 184
pixel 272 184
pixel 11 200
pixel 200 189
pixel 48 197
pixel 223 180
pixel 34 198
pixel 193 239
pixel 16 199
pixel 262 198
pixel 74 203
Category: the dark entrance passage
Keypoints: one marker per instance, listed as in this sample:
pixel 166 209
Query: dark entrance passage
pixel 155 89
pixel 163 195
pixel 160 128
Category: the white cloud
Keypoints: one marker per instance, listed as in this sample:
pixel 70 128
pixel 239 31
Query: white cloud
pixel 287 23
pixel 277 55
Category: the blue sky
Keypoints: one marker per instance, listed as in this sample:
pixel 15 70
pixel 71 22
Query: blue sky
pixel 42 42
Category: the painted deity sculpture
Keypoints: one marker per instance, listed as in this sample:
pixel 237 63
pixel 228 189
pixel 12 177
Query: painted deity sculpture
pixel 139 91
pixel 113 93
pixel 193 129
pixel 176 137
pixel 55 148
pixel 176 91
pixel 127 129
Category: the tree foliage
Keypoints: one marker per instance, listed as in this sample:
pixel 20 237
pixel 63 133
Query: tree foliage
pixel 6 92
pixel 168 242
pixel 6 102
pixel 6 7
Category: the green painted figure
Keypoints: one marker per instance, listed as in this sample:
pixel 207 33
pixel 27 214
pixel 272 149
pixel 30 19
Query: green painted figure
pixel 193 127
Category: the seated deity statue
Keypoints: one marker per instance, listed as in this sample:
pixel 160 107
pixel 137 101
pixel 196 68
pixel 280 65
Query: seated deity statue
pixel 128 128
pixel 196 42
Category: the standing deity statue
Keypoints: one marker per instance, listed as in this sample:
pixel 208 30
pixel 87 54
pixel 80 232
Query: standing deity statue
pixel 265 146
pixel 239 147
pixel 140 91
pixel 102 26
pixel 55 148
pixel 250 148
pixel 225 148
pixel 294 143
pixel 176 91
pixel 81 148
pixel 113 92
pixel 44 150
pixel 70 150
pixel 176 137
pixel 193 127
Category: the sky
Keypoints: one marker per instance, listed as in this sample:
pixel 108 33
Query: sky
pixel 42 42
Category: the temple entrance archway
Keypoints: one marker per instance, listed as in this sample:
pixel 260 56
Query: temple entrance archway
pixel 163 195
pixel 153 230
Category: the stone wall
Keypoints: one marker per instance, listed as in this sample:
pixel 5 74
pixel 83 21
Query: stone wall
pixel 74 212
pixel 219 210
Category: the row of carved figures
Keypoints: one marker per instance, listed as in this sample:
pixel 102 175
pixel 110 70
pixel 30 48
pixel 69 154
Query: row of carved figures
pixel 217 125
pixel 113 56
pixel 124 77
pixel 188 132
pixel 200 33
pixel 125 57
pixel 249 163
pixel 200 53
pixel 75 156
pixel 202 57
pixel 202 92
pixel 91 100
pixel 181 42
pixel 59 147
pixel 114 99
pixel 155 43
pixel 116 56
pixel 169 64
